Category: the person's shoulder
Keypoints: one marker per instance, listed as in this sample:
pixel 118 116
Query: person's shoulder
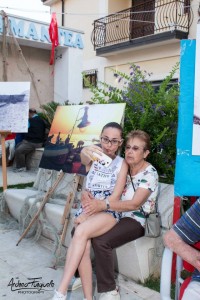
pixel 119 159
pixel 151 169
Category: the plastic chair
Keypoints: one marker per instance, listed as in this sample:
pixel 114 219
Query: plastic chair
pixel 166 269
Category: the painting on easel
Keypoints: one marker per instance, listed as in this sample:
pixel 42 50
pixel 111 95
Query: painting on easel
pixel 74 127
pixel 14 105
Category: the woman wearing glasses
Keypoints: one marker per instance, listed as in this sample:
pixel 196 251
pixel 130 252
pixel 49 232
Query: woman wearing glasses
pixel 102 182
pixel 141 190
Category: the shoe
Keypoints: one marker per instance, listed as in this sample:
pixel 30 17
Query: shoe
pixel 112 295
pixel 19 170
pixel 59 296
pixel 75 284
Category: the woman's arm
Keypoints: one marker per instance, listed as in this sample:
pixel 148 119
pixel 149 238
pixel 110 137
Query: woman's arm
pixel 120 183
pixel 173 241
pixel 139 198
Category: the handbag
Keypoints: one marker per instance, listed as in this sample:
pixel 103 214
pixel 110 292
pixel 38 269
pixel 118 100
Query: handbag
pixel 152 224
pixel 153 220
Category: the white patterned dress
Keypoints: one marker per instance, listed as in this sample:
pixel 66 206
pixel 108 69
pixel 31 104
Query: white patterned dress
pixel 147 179
pixel 101 182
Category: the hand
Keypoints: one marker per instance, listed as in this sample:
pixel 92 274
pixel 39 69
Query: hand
pixel 88 151
pixel 91 207
pixel 80 219
pixel 86 196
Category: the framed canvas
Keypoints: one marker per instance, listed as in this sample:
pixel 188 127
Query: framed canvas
pixel 74 127
pixel 14 106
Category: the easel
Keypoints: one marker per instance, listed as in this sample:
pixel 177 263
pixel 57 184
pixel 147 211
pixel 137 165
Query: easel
pixel 3 134
pixel 66 214
pixel 68 205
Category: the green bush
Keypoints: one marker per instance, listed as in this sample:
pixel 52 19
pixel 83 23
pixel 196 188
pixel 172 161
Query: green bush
pixel 148 109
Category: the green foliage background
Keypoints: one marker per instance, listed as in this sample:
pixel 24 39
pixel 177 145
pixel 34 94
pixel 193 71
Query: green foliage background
pixel 154 111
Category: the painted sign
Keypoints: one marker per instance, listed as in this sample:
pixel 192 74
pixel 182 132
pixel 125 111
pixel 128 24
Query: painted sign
pixel 187 172
pixel 39 32
pixel 196 118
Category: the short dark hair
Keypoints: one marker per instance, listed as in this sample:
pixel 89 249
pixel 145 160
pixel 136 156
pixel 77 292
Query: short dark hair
pixel 113 125
pixel 32 110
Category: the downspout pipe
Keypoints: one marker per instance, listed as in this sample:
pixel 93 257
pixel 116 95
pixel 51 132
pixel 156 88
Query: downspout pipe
pixel 63 12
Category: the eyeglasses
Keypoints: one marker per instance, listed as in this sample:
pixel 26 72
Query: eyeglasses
pixel 134 148
pixel 114 142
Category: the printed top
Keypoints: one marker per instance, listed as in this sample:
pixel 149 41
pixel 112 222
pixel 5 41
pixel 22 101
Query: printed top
pixel 147 179
pixel 188 228
pixel 101 180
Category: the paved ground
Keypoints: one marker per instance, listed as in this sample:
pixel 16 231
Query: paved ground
pixel 20 264
pixel 16 178
pixel 33 261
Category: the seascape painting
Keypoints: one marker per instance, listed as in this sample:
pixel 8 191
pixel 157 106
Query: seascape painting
pixel 74 127
pixel 14 106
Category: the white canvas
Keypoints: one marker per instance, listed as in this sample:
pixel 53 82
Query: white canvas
pixel 14 106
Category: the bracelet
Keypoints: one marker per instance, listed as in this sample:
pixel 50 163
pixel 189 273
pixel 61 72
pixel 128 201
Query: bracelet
pixel 107 203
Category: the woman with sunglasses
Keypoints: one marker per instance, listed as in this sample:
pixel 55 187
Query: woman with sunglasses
pixel 140 191
pixel 102 182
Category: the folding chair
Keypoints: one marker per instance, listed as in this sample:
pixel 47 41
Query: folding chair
pixel 166 269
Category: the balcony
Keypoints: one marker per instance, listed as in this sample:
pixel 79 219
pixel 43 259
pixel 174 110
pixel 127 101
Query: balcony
pixel 151 21
pixel 49 2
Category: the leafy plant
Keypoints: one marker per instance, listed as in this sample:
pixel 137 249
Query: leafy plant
pixel 148 109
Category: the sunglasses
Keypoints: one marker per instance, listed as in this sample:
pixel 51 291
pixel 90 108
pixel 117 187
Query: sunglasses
pixel 134 148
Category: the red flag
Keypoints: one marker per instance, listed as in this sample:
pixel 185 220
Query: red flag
pixel 53 34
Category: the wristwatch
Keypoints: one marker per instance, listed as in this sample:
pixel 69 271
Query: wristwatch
pixel 107 203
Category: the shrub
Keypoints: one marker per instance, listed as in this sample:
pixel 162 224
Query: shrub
pixel 154 111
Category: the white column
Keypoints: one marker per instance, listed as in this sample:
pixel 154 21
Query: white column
pixel 67 75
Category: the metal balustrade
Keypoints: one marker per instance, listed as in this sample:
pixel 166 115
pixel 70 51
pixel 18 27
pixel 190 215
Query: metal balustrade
pixel 147 18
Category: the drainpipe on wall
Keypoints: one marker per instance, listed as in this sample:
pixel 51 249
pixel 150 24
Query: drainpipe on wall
pixel 63 12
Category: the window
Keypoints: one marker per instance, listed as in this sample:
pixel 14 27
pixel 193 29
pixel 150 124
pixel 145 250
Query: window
pixel 157 83
pixel 186 6
pixel 89 78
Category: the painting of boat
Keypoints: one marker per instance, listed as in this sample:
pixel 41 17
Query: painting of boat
pixel 62 157
pixel 14 106
pixel 73 128
pixel 52 150
pixel 7 99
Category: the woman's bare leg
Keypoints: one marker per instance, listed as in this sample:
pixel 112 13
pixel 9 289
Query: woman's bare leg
pixel 85 271
pixel 94 226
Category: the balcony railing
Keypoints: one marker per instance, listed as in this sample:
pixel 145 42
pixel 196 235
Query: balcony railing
pixel 148 18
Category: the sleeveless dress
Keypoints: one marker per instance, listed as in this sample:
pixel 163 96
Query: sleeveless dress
pixel 101 182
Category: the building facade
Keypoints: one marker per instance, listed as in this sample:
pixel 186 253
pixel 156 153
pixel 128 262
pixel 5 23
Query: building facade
pixel 25 56
pixel 118 33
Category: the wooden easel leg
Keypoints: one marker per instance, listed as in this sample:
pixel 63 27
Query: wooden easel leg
pixel 44 201
pixel 66 213
pixel 3 135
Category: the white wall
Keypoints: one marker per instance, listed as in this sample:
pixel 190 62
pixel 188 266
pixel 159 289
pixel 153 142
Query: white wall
pixel 68 77
pixel 38 62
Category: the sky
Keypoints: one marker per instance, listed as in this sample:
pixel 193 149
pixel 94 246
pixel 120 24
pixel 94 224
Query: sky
pixel 33 9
